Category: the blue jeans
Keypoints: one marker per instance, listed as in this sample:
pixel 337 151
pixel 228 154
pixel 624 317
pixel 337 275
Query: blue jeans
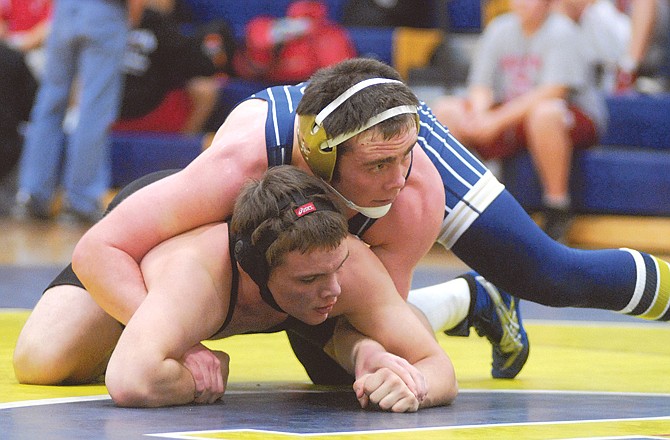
pixel 86 42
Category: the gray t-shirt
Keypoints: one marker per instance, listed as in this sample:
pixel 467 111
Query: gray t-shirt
pixel 512 64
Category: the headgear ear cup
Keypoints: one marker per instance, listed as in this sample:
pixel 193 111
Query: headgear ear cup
pixel 311 137
pixel 251 260
pixel 320 149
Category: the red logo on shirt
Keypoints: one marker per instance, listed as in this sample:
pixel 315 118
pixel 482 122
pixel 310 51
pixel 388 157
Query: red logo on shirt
pixel 304 209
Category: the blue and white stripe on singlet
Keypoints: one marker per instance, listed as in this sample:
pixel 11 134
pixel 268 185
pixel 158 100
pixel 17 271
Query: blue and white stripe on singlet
pixel 282 102
pixel 469 186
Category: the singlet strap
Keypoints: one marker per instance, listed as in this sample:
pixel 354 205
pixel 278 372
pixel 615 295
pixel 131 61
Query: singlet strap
pixel 234 283
pixel 279 124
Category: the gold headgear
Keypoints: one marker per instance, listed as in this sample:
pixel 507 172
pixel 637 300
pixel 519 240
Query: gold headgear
pixel 320 150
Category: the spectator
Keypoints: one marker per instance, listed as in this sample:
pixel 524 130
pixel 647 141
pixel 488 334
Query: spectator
pixel 87 40
pixel 606 33
pixel 530 88
pixel 24 25
pixel 17 91
pixel 648 52
pixel 291 48
pixel 172 81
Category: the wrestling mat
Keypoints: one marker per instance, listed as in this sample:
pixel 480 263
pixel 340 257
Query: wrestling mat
pixel 590 375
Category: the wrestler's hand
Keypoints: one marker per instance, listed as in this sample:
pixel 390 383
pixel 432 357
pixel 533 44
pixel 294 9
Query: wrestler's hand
pixel 210 370
pixel 374 357
pixel 386 390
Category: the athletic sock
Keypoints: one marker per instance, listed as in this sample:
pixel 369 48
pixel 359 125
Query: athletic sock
pixel 445 305
pixel 651 299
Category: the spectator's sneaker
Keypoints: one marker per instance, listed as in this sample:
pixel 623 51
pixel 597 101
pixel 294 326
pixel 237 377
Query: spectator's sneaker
pixel 27 207
pixel 496 315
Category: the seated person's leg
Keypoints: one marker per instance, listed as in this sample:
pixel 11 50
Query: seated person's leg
pixel 204 94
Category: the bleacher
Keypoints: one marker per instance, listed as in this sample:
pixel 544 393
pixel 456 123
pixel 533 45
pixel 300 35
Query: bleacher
pixel 628 174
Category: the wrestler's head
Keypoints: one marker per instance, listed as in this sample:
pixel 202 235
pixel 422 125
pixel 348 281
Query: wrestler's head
pixel 288 222
pixel 344 107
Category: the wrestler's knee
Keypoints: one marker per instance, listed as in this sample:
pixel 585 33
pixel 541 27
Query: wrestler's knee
pixel 66 339
pixel 38 362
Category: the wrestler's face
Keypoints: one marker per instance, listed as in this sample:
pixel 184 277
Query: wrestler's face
pixel 306 285
pixel 372 170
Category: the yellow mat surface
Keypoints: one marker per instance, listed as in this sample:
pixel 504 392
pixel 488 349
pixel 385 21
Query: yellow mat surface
pixel 570 356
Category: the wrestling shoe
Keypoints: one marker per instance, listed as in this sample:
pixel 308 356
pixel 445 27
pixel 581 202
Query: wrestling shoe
pixel 495 315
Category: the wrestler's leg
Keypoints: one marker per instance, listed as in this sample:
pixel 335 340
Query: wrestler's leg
pixel 508 248
pixel 67 339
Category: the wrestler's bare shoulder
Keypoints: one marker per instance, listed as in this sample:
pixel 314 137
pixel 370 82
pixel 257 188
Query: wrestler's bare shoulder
pixel 207 243
pixel 244 125
pixel 239 144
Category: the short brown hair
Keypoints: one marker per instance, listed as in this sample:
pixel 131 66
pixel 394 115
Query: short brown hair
pixel 258 214
pixel 330 82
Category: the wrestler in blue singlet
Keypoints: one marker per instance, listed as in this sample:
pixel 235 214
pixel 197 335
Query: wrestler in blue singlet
pixel 487 228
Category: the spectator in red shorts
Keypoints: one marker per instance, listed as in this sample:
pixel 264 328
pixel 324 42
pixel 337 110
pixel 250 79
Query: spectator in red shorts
pixel 531 87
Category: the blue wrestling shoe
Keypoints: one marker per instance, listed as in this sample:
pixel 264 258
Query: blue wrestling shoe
pixel 496 315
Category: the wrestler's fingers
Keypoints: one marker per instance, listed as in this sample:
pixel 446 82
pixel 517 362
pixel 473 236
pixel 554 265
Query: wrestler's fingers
pixel 390 393
pixel 396 398
pixel 359 389
pixel 221 375
pixel 408 403
pixel 411 376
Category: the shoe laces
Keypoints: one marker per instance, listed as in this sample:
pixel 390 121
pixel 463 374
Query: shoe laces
pixel 511 339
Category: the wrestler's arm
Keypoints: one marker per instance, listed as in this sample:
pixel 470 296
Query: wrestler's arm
pixel 159 360
pixel 370 302
pixel 365 358
pixel 106 258
pixel 412 226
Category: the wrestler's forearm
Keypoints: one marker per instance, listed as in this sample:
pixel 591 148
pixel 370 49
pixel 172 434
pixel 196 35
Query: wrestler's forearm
pixel 165 384
pixel 349 347
pixel 438 372
pixel 114 281
pixel 361 355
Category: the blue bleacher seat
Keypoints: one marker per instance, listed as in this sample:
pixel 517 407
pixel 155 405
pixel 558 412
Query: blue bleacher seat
pixel 136 154
pixel 238 13
pixel 464 16
pixel 374 43
pixel 626 174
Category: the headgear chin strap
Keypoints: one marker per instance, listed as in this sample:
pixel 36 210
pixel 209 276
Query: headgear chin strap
pixel 369 211
pixel 319 149
pixel 251 256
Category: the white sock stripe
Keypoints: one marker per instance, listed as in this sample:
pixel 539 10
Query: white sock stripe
pixel 640 282
pixel 444 305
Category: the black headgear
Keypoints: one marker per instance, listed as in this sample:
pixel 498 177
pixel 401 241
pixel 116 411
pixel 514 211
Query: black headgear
pixel 252 256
